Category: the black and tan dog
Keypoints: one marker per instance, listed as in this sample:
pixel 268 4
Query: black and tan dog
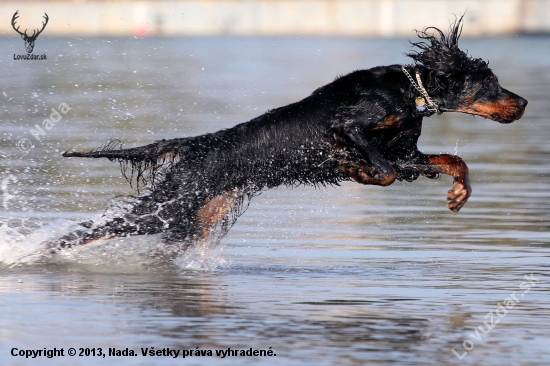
pixel 363 126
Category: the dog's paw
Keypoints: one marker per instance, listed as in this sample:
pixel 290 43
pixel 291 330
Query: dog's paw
pixel 457 197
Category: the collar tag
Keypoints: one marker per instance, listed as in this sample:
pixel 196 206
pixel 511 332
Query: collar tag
pixel 425 102
pixel 420 104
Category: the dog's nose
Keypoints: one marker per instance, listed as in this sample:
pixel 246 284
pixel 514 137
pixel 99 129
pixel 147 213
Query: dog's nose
pixel 523 102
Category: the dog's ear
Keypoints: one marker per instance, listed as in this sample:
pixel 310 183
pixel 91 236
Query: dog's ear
pixel 440 82
pixel 455 82
pixel 443 83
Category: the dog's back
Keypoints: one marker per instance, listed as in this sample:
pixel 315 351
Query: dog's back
pixel 196 184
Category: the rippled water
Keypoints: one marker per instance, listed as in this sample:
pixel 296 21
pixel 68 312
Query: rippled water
pixel 342 275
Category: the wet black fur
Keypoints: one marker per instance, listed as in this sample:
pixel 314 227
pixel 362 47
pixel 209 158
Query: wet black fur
pixel 310 142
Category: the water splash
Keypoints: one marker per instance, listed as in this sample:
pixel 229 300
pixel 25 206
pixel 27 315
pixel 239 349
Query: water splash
pixel 456 148
pixel 18 247
pixel 134 254
pixel 6 195
pixel 203 256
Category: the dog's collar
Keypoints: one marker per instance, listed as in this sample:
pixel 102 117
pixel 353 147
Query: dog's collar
pixel 421 102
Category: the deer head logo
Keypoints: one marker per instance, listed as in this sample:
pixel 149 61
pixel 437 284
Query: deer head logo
pixel 29 40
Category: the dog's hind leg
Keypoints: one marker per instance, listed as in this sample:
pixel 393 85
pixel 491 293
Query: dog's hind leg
pixel 85 233
pixel 89 231
pixel 141 217
pixel 207 224
pixel 220 210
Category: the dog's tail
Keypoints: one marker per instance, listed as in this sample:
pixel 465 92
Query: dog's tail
pixel 152 152
pixel 144 161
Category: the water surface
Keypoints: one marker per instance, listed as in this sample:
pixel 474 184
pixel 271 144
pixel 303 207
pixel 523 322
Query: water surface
pixel 342 275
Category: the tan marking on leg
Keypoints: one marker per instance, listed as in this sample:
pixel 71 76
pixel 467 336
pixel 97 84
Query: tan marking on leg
pixel 215 211
pixel 362 174
pixel 456 167
pixel 391 121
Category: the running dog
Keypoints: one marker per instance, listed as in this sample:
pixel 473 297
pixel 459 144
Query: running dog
pixel 363 126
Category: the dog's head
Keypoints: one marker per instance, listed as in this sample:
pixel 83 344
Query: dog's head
pixel 459 83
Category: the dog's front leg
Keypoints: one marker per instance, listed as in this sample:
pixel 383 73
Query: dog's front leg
pixel 377 171
pixel 454 166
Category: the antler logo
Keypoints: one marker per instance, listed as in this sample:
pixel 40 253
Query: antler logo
pixel 29 40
